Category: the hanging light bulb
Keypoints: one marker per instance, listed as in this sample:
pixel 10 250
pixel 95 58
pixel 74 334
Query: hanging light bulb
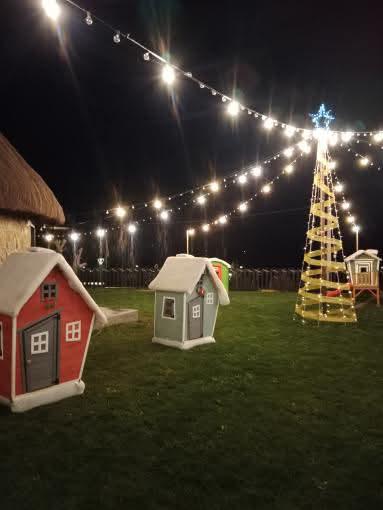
pixel 191 232
pixel 157 204
pixel 266 188
pixel 233 108
pixel 256 171
pixel 164 215
pixel 201 200
pixel 338 188
pixel 350 219
pixel 214 186
pixel 378 137
pixel 289 169
pixel 116 37
pixel 49 237
pixel 364 161
pixel 222 220
pixel 268 123
pixel 146 56
pixel 88 19
pixel 132 228
pixel 288 152
pixel 168 74
pixel 74 236
pixel 120 212
pixel 205 227
pixel 304 146
pixel 100 233
pixel 242 207
pixel 51 8
pixel 346 206
pixel 289 131
pixel 346 136
pixel 242 179
pixel 356 228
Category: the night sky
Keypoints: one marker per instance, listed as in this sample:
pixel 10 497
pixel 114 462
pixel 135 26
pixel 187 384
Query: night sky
pixel 100 127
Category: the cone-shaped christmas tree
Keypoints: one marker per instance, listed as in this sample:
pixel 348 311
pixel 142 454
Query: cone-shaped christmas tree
pixel 324 293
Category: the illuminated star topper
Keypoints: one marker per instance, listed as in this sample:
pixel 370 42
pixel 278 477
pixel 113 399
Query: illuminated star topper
pixel 322 118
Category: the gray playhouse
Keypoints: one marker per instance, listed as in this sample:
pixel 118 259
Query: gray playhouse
pixel 187 295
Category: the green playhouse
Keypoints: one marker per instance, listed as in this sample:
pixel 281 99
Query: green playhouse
pixel 222 269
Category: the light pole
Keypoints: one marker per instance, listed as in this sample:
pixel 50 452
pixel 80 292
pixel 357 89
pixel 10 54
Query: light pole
pixel 189 233
pixel 356 230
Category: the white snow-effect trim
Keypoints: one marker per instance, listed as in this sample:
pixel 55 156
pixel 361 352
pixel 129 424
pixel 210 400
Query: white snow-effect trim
pixel 184 346
pixel 23 272
pixel 87 346
pixel 46 396
pixel 181 274
pixel 370 253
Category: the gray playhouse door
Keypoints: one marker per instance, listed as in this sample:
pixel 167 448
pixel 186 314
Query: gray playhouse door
pixel 40 346
pixel 195 318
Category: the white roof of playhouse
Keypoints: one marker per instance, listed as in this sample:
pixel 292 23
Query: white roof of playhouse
pixel 370 253
pixel 22 273
pixel 181 274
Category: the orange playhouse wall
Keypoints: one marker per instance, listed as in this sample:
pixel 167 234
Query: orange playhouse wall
pixel 72 308
pixel 6 362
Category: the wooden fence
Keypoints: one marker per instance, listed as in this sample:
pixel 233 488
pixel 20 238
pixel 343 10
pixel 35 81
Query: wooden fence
pixel 241 279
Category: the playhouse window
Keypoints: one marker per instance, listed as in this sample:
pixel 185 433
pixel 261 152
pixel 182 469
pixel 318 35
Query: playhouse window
pixel 39 342
pixel 169 308
pixel 196 311
pixel 73 331
pixel 49 291
pixel 210 298
pixel 1 341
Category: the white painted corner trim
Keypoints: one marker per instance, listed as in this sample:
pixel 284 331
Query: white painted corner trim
pixel 184 346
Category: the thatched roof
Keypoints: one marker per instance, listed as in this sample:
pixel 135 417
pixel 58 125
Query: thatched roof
pixel 22 190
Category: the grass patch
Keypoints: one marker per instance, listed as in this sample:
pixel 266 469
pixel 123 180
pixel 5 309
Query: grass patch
pixel 275 415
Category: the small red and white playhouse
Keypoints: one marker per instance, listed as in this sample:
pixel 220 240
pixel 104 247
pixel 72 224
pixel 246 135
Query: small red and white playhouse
pixel 46 321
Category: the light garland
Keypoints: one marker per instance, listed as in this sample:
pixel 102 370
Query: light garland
pixel 170 72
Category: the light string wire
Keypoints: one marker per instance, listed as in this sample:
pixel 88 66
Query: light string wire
pixel 203 85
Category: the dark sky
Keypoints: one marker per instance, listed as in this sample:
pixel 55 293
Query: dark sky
pixel 97 123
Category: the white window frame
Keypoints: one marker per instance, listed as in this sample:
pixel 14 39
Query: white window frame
pixel 210 298
pixel 196 311
pixel 73 331
pixel 1 341
pixel 38 340
pixel 163 307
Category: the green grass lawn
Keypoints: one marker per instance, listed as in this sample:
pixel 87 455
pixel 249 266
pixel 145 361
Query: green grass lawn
pixel 275 415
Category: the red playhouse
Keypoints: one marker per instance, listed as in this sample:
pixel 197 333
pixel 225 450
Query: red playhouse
pixel 46 321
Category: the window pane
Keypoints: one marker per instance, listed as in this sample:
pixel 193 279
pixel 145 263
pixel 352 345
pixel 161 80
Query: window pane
pixel 169 308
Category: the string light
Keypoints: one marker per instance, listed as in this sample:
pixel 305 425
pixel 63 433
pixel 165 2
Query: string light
pixel 233 108
pixel 222 220
pixel 120 212
pixel 243 207
pixel 214 186
pixel 190 232
pixel 88 19
pixel 168 74
pixel 164 215
pixel 52 9
pixel 256 171
pixel 356 229
pixel 304 146
pixel 338 188
pixel 205 227
pixel 364 161
pixel 346 206
pixel 346 136
pixel 288 152
pixel 116 37
pixel 289 169
pixel 290 131
pixel 268 123
pixel 350 219
pixel 100 233
pixel 201 200
pixel 132 228
pixel 378 137
pixel 49 237
pixel 242 179
pixel 266 188
pixel 74 236
pixel 157 204
pixel 332 165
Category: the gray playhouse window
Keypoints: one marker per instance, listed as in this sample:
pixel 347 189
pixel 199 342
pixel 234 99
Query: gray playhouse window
pixel 1 341
pixel 169 308
pixel 48 291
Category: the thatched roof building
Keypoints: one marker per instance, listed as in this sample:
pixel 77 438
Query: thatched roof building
pixel 24 196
